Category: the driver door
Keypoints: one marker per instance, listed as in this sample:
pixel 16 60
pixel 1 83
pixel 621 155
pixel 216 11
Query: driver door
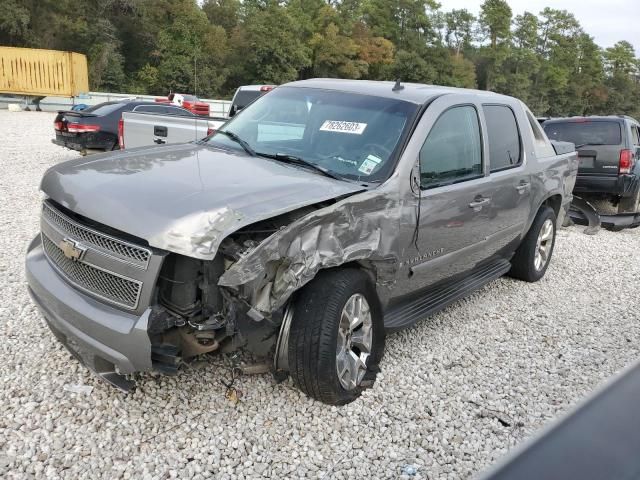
pixel 455 196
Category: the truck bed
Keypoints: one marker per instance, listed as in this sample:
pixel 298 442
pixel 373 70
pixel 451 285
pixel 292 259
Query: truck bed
pixel 142 129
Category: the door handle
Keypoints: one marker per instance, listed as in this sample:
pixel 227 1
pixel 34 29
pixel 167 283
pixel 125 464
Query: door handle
pixel 159 141
pixel 479 202
pixel 523 187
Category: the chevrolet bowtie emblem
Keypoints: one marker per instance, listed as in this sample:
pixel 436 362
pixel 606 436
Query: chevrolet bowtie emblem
pixel 72 250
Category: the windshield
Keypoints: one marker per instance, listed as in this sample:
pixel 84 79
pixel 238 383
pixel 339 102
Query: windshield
pixel 585 133
pixel 350 135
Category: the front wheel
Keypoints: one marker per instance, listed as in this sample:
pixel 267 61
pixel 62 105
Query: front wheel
pixel 532 257
pixel 337 336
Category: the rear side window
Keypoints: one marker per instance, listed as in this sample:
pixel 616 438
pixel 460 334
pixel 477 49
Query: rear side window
pixel 503 136
pixel 635 134
pixel 587 132
pixel 179 111
pixel 150 109
pixel 452 152
pixel 103 108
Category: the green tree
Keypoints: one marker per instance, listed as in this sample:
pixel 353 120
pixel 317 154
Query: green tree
pixel 495 21
pixel 406 23
pixel 411 67
pixel 621 59
pixel 459 29
pixel 376 52
pixel 191 53
pixel 267 47
pixel 225 13
pixel 14 23
pixel 622 75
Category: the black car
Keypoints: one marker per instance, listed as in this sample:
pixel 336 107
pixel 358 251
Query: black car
pixel 609 152
pixel 96 128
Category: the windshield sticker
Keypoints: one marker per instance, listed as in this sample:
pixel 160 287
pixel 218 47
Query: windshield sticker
pixel 343 127
pixel 373 158
pixel 368 166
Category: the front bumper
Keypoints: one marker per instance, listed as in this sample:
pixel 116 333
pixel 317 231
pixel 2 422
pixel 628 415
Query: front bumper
pixel 109 341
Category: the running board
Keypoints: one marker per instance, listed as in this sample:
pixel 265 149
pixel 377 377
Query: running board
pixel 434 299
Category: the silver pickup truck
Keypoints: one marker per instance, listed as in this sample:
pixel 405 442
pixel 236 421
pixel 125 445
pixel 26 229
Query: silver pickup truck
pixel 139 130
pixel 144 129
pixel 322 216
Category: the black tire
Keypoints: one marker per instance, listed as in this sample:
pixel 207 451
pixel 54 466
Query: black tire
pixel 523 262
pixel 314 334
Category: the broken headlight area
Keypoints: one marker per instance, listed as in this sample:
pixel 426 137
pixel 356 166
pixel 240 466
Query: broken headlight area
pixel 193 315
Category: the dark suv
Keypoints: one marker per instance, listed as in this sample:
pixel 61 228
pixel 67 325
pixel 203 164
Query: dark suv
pixel 609 152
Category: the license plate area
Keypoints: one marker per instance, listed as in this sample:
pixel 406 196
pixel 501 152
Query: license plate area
pixel 587 162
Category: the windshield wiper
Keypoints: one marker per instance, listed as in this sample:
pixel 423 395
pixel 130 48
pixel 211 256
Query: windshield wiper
pixel 247 148
pixel 589 144
pixel 285 157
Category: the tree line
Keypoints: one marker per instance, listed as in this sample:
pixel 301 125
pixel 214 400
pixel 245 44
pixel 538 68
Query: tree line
pixel 212 46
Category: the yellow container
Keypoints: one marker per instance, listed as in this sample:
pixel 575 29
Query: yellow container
pixel 30 71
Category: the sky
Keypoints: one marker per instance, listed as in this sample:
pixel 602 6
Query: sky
pixel 608 21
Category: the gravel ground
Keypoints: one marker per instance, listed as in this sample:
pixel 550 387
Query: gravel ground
pixel 457 391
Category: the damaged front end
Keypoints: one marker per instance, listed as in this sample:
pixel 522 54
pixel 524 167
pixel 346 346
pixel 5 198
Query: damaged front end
pixel 223 285
pixel 240 299
pixel 352 230
pixel 194 315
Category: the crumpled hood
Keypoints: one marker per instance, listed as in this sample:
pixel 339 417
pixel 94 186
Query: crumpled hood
pixel 185 198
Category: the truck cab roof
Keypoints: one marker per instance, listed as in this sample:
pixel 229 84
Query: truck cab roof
pixel 417 93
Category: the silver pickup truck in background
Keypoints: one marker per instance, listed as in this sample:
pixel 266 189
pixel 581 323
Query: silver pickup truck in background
pixel 139 130
pixel 143 129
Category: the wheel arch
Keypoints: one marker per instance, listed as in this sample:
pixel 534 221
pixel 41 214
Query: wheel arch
pixel 554 201
pixel 280 358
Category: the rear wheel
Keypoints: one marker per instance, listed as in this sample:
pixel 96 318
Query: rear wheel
pixel 337 336
pixel 534 253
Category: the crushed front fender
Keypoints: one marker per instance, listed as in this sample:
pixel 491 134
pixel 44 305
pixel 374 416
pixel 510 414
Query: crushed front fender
pixel 361 227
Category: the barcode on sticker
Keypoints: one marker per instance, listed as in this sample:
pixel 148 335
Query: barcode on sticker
pixel 343 127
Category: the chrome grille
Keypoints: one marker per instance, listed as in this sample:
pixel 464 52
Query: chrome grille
pixel 132 253
pixel 109 286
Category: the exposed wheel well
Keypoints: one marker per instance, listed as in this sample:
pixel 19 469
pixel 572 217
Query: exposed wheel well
pixel 555 202
pixel 364 265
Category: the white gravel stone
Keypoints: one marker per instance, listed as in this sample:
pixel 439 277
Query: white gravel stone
pixel 457 391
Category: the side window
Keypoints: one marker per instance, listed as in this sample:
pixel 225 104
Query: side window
pixel 452 152
pixel 503 137
pixel 179 111
pixel 150 109
pixel 635 134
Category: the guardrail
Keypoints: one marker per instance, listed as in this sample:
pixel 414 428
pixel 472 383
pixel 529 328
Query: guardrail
pixel 53 104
